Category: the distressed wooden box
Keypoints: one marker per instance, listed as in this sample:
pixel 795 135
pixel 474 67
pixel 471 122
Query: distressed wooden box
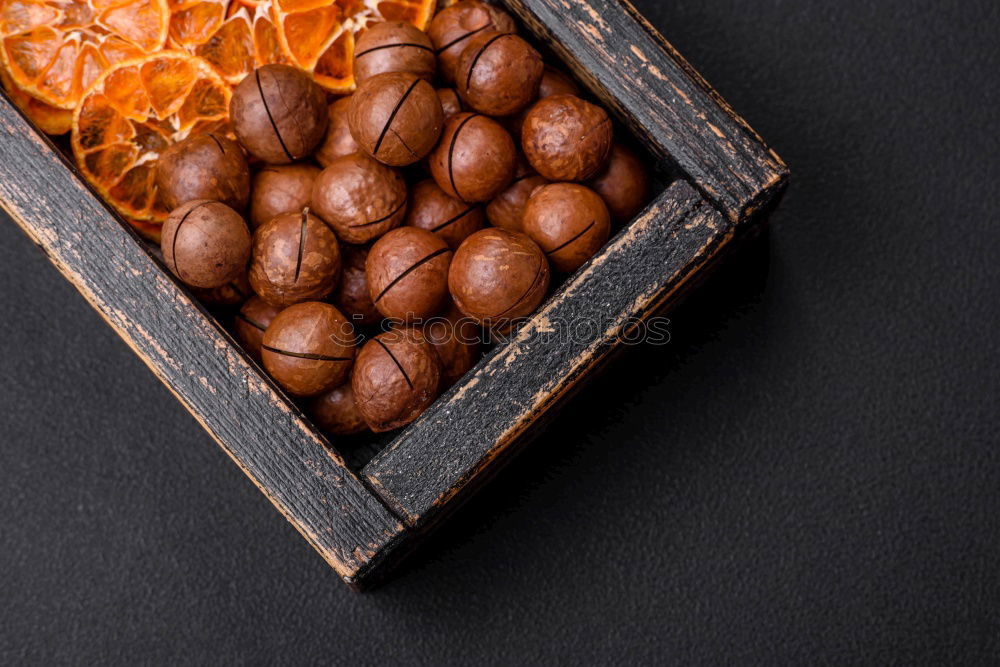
pixel 721 178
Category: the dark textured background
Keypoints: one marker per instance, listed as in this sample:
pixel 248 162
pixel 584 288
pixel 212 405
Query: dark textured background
pixel 809 471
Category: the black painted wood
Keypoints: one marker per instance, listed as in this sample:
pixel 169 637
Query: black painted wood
pixel 660 97
pixel 294 467
pixel 464 434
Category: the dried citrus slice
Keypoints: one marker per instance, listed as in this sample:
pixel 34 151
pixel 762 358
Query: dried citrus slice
pixel 195 21
pixel 148 229
pixel 132 113
pixel 219 31
pixel 267 47
pixel 55 49
pixel 46 117
pixel 232 37
pixel 318 35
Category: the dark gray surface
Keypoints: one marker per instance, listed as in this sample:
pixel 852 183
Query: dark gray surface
pixel 809 471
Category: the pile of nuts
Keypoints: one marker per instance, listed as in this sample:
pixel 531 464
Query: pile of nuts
pixel 434 212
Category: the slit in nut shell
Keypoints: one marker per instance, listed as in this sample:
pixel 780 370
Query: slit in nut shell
pixel 396 377
pixel 448 218
pixel 499 73
pixel 296 258
pixel 360 198
pixel 569 222
pixel 204 166
pixel 309 348
pixel 407 273
pixel 396 118
pixel 206 244
pixel 394 46
pixel 475 159
pixel 279 114
pixel 454 26
pixel 498 277
pixel 251 323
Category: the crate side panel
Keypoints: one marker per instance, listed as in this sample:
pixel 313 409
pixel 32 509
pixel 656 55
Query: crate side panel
pixel 198 361
pixel 660 97
pixel 467 430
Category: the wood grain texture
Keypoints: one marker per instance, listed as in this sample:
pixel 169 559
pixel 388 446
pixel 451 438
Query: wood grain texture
pixel 465 433
pixel 293 466
pixel 660 97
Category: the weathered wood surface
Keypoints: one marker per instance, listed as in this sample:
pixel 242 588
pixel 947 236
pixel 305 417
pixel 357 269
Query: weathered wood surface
pixel 199 362
pixel 464 434
pixel 660 97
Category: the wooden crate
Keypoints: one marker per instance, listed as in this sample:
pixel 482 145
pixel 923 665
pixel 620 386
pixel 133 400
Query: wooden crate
pixel 722 177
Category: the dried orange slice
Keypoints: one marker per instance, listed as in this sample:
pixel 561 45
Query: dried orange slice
pixel 267 46
pixel 148 229
pixel 219 31
pixel 47 118
pixel 318 35
pixel 236 36
pixel 55 49
pixel 233 37
pixel 195 21
pixel 132 113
